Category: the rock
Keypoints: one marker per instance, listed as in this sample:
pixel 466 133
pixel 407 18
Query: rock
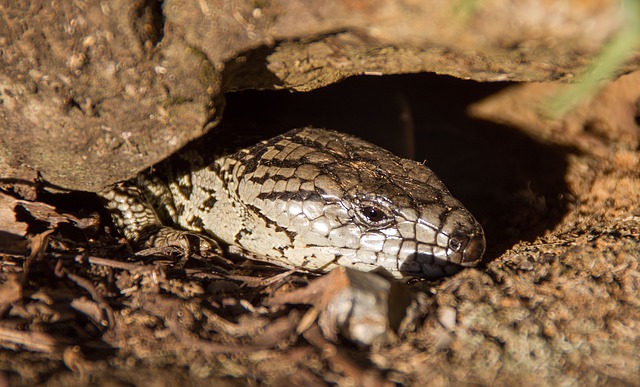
pixel 91 95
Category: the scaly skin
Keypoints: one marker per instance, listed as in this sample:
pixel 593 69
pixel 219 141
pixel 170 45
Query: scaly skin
pixel 311 199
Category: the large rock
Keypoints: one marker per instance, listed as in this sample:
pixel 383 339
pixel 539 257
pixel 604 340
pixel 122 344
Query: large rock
pixel 93 92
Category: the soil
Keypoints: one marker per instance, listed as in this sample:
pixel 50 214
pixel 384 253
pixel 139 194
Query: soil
pixel 555 301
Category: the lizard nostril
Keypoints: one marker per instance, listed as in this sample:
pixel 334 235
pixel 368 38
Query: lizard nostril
pixel 455 244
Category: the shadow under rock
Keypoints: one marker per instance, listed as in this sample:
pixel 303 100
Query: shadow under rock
pixel 513 184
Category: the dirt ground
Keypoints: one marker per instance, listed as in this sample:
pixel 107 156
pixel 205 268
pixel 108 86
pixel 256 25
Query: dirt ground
pixel 555 301
pixel 91 92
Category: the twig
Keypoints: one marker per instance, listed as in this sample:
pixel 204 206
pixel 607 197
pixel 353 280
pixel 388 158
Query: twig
pixel 34 341
pixel 207 346
pixel 116 264
pixel 88 286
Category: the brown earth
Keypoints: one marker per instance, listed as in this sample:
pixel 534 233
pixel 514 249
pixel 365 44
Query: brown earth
pixel 554 302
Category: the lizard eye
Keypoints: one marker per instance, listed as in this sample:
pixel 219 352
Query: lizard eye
pixel 373 214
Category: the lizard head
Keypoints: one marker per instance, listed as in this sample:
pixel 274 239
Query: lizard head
pixel 358 205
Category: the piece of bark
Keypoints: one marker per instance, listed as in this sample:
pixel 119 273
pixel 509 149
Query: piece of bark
pixel 12 231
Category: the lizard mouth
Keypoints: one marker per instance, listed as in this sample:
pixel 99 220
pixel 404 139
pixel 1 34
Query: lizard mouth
pixel 463 251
